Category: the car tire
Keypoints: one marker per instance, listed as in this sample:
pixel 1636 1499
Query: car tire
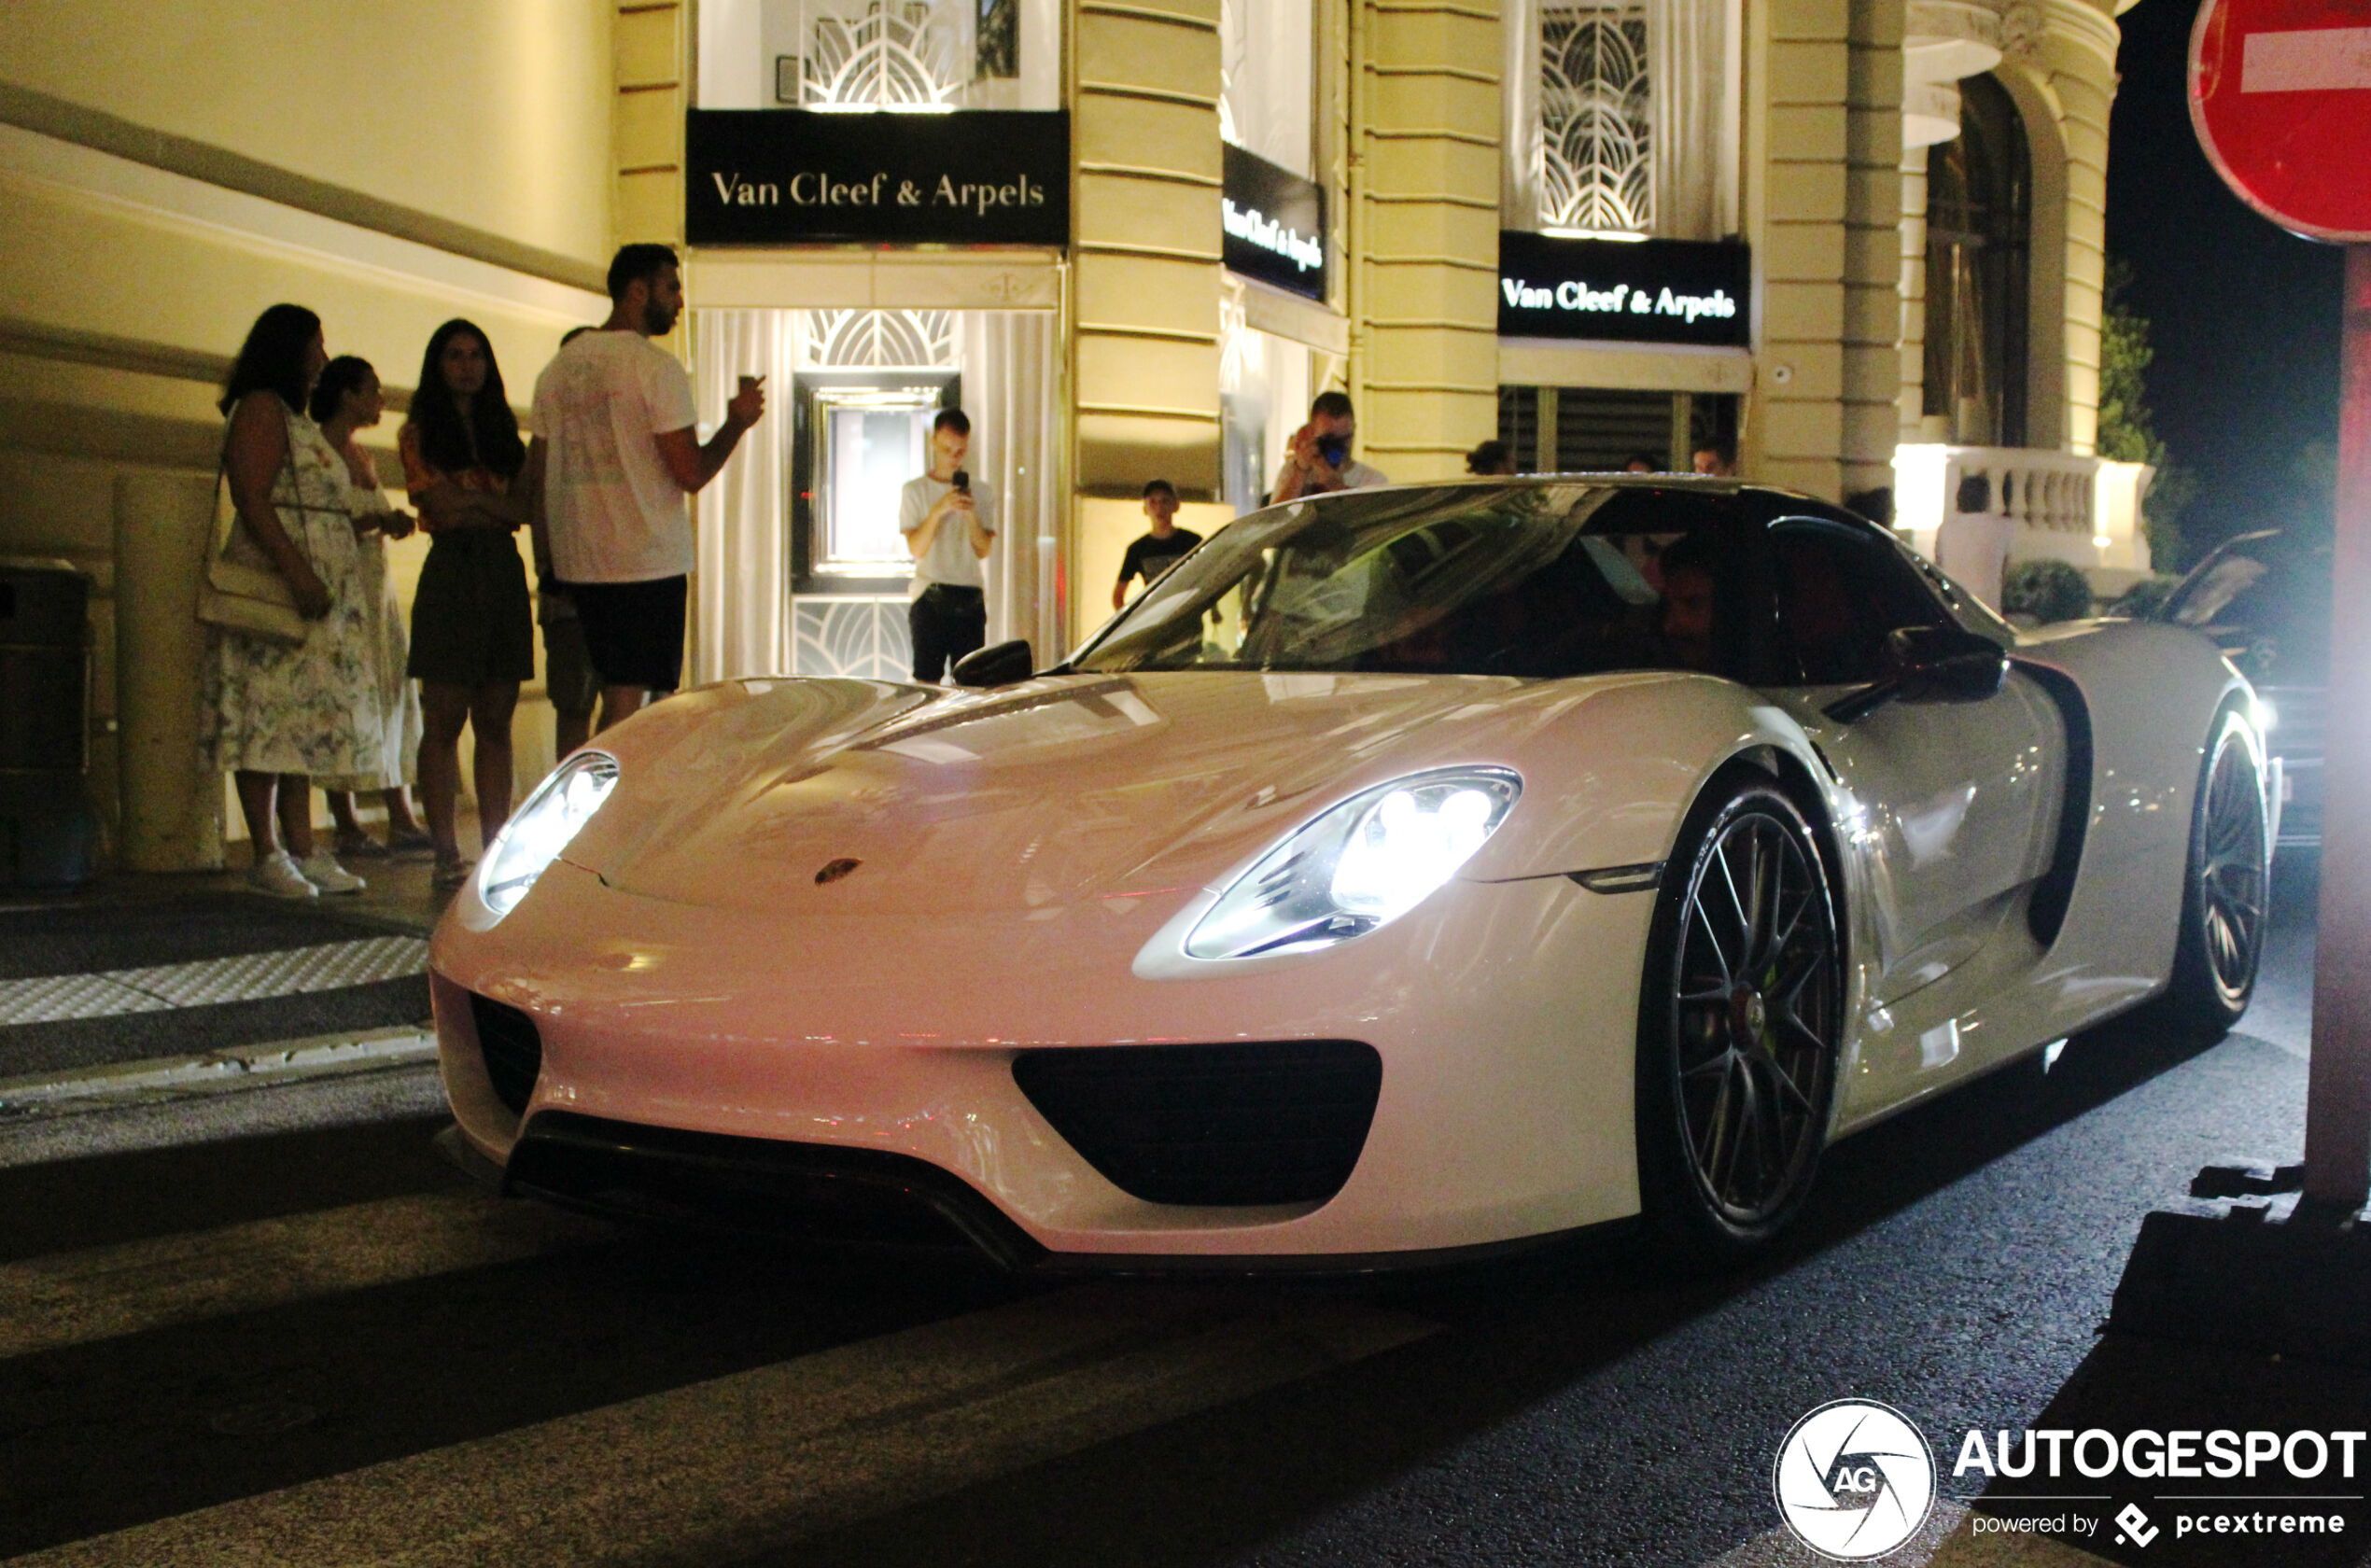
pixel 1741 1010
pixel 2226 888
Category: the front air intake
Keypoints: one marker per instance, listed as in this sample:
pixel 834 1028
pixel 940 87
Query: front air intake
pixel 513 1049
pixel 1278 1122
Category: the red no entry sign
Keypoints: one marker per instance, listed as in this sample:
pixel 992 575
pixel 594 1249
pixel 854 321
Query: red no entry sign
pixel 2280 92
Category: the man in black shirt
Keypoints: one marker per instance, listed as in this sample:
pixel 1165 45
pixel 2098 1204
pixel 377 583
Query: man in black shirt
pixel 1159 549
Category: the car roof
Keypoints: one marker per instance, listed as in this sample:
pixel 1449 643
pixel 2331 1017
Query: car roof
pixel 1706 484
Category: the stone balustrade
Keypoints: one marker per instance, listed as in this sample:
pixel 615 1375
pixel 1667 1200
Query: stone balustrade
pixel 2082 509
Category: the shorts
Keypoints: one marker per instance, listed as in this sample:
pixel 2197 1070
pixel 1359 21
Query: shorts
pixel 634 630
pixel 471 624
pixel 568 676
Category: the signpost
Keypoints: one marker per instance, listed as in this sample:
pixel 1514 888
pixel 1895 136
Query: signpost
pixel 2281 95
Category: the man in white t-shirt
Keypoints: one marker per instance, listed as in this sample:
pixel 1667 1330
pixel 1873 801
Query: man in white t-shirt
pixel 948 519
pixel 1318 459
pixel 1973 544
pixel 615 461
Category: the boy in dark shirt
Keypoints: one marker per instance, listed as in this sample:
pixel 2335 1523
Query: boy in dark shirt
pixel 1159 549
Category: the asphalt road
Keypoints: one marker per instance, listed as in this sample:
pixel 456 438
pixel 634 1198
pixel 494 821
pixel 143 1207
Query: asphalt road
pixel 304 1340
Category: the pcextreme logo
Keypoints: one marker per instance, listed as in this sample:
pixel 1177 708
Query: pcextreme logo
pixel 1854 1479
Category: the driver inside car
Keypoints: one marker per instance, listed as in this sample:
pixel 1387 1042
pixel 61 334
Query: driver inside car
pixel 1685 619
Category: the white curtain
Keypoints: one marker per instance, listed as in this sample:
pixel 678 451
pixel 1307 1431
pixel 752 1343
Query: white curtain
pixel 1522 172
pixel 741 604
pixel 1010 372
pixel 1267 79
pixel 1694 66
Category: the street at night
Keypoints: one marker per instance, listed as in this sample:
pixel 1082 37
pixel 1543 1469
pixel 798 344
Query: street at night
pixel 270 1323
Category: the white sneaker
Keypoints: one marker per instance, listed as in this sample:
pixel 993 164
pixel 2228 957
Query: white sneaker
pixel 322 869
pixel 276 875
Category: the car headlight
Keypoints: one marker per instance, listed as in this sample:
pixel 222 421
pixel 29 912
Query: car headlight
pixel 1359 866
pixel 536 833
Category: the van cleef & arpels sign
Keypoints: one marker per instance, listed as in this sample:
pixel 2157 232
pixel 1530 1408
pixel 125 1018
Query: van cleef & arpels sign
pixel 1656 291
pixel 1274 223
pixel 807 176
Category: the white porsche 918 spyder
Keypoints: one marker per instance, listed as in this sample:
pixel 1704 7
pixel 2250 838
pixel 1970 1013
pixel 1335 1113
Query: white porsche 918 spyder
pixel 1407 873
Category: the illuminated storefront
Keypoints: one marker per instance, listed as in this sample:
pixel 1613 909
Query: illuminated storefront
pixel 1131 242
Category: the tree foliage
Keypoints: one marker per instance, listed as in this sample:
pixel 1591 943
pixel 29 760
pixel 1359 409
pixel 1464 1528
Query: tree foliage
pixel 2127 430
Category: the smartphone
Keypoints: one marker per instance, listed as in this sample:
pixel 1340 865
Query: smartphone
pixel 963 482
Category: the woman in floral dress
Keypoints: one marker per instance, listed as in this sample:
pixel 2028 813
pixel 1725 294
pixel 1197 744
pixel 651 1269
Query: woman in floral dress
pixel 277 715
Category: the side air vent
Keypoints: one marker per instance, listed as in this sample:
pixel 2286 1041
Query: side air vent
pixel 1272 1123
pixel 513 1049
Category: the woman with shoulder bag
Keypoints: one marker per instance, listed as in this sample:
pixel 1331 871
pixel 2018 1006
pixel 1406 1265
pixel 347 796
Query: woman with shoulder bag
pixel 472 629
pixel 347 400
pixel 279 713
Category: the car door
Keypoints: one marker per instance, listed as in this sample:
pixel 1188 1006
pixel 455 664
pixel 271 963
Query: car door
pixel 1955 802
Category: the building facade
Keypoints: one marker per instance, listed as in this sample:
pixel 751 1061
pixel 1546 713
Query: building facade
pixel 1859 241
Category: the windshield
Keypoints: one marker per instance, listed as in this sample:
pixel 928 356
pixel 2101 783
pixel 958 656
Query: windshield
pixel 1522 579
pixel 2257 586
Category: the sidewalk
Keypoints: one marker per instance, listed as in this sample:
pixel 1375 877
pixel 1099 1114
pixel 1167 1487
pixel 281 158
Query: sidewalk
pixel 399 897
pixel 146 968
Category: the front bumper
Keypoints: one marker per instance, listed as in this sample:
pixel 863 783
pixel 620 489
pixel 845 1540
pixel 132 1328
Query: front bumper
pixel 1502 1017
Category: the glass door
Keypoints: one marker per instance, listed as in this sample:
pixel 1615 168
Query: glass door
pixel 861 436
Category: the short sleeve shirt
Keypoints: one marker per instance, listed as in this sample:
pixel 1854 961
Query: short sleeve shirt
pixel 615 512
pixel 1355 476
pixel 1149 557
pixel 949 558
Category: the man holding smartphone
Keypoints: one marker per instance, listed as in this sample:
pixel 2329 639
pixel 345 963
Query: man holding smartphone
pixel 948 519
pixel 616 459
pixel 1318 459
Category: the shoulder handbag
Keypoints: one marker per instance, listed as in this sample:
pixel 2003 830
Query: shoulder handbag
pixel 241 597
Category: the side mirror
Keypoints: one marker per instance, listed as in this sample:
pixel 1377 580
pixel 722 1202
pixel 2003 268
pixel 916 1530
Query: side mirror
pixel 1931 664
pixel 998 665
pixel 1945 663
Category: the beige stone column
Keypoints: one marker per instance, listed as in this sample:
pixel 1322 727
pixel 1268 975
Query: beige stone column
pixel 1872 386
pixel 651 43
pixel 1144 274
pixel 1913 403
pixel 1425 133
pixel 172 800
pixel 1828 207
pixel 1794 426
pixel 2076 54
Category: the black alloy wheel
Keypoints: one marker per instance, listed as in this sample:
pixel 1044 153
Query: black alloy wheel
pixel 2227 893
pixel 1741 1014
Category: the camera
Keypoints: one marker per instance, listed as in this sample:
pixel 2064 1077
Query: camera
pixel 962 481
pixel 1334 449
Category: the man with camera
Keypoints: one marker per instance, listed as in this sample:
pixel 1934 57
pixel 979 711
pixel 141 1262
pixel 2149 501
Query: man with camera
pixel 1318 459
pixel 949 523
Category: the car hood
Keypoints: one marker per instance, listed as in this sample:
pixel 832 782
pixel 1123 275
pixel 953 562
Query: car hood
pixel 758 795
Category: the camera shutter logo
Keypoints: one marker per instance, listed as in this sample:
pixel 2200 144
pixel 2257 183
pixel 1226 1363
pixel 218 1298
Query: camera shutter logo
pixel 1854 1479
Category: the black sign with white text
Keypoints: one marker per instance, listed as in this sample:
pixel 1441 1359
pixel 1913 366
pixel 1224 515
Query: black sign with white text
pixel 1275 223
pixel 1662 291
pixel 803 176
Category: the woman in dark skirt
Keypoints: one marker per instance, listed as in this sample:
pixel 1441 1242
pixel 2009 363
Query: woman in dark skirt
pixel 472 632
